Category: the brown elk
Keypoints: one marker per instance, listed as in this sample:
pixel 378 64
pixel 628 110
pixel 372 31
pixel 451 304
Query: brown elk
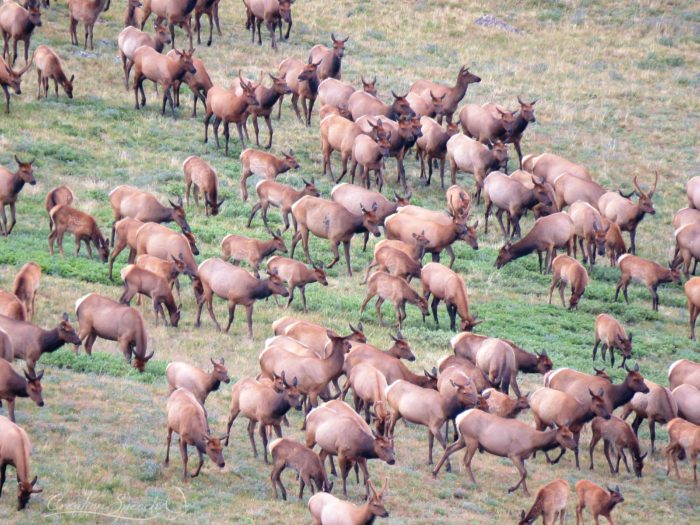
pixel 684 440
pixel 588 228
pixel 361 104
pixel 87 12
pixel 501 437
pixel 567 270
pixel 240 248
pixel 330 220
pixel 58 195
pixel 18 23
pixel 188 419
pixel 82 225
pixel 267 98
pixel 539 209
pixel 131 38
pixel 389 365
pixel 325 508
pixel 336 93
pixel 196 380
pixel 625 213
pixel 96 315
pixel 303 81
pixel 459 202
pixel 287 453
pixel 296 275
pixel 496 359
pixel 686 398
pixel 549 166
pixel 394 289
pixel 10 186
pixel 453 95
pixel 394 262
pixel 13 385
pixel 272 13
pixel 9 78
pixel 311 334
pixel 550 504
pixel 25 286
pixel 401 349
pixel 612 334
pixel 133 14
pixel 684 372
pixel 368 391
pixel 49 67
pixel 618 436
pixel 128 201
pixel 430 106
pixel 471 156
pixel 205 181
pixel 415 250
pixel 6 351
pixel 266 165
pixel 14 450
pixel 175 12
pixel 692 293
pixel 614 244
pixel 199 83
pixel 281 196
pixel 657 406
pixel 125 230
pixel 329 60
pixel 503 405
pixel 338 134
pixel 692 190
pixel 446 285
pixel 12 307
pixel 163 70
pixel 432 145
pixel 599 501
pixel 138 280
pixel 644 271
pixel 548 234
pixel 570 188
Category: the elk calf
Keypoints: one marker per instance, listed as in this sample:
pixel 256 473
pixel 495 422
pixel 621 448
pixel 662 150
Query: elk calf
pixel 48 67
pixel 281 196
pixel 611 333
pixel 550 504
pixel 12 307
pixel 394 289
pixel 82 225
pixel 296 275
pixel 205 180
pixel 614 243
pixel 684 440
pixel 567 270
pixel 599 501
pixel 59 195
pixel 287 453
pixel 253 251
pixel 138 280
pixel 25 286
pixel 196 380
pixel 504 406
pixel 15 449
pixel 10 186
pixel 394 262
pixel 87 12
pixel 264 164
pixel 13 385
pixel 447 285
pixel 618 436
pixel 647 272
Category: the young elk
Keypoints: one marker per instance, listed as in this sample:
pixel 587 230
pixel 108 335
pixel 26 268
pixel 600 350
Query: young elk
pixel 15 449
pixel 264 164
pixel 137 280
pixel 49 67
pixel 296 275
pixel 125 230
pixel 240 248
pixel 9 78
pixel 205 180
pixel 287 453
pixel 18 23
pixel 188 419
pixel 369 155
pixel 267 98
pixel 432 145
pixel 447 285
pixel 326 509
pixel 131 38
pixel 335 93
pixel 12 307
pixel 82 225
pixel 394 262
pixel 163 70
pixel 13 385
pixel 281 196
pixel 59 195
pixel 550 504
pixel 87 12
pixel 396 290
pixel 226 106
pixel 601 502
pixel 10 186
pixel 659 405
pixel 453 95
pixel 503 405
pixel 567 270
pixel 196 380
pixel 303 81
pixel 471 156
pixel 588 228
pixel 618 436
pixel 684 440
pixel 647 272
pixel 25 286
pixel 368 391
pixel 611 333
pixel 329 60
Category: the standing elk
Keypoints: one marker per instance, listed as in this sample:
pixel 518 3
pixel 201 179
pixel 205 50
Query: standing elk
pixel 296 275
pixel 614 244
pixel 169 270
pixel 687 400
pixel 82 225
pixel 138 280
pixel 87 12
pixel 13 385
pixel 15 449
pixel 612 334
pixel 49 67
pixel 369 155
pixel 12 307
pixel 18 23
pixel 567 270
pixel 601 502
pixel 394 262
pixel 431 106
pixel 253 251
pixel 368 391
pixel 684 440
pixel 329 60
pixel 25 286
pixel 267 98
pixel 503 405
pixel 159 241
pixel 272 13
pixel 446 285
pixel 550 504
pixel 281 196
pixel 226 106
pixel 10 186
pixel 453 95
pixel 471 156
pixel 163 70
pixel 687 246
pixel 692 293
pixel 432 145
pixel 131 38
pixel 338 134
pixel 287 453
pixel 175 12
pixel 397 291
pixel 459 202
pixel 588 228
pixel 617 435
pixel 199 83
pixel 128 201
pixel 263 164
pixel 647 272
pixel 692 190
pixel 336 93
pixel 125 231
pixel 570 188
pixel 549 166
pixel 326 509
pixel 205 181
pixel 196 380
pixel 303 81
pixel 684 372
pixel 311 334
pixel 657 406
pixel 9 78
pixel 496 359
pixel 361 104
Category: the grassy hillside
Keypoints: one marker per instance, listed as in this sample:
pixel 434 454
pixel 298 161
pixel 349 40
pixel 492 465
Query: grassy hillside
pixel 618 90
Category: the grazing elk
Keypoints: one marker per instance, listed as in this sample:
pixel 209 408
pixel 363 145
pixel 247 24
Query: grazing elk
pixel 612 334
pixel 550 504
pixel 503 405
pixel 617 435
pixel 163 70
pixel 599 501
pixel 159 241
pixel 647 272
pixel 446 285
pixel 13 385
pixel 588 228
pixel 226 106
pixel 253 251
pixel 131 38
pixel 267 98
pixel 12 307
pixel 281 196
pixel 200 174
pixel 326 509
pixel 196 380
pixel 303 81
pixel 264 164
pixel 58 195
pixel 125 231
pixel 329 60
pixel 394 289
pixel 432 145
pixel 188 419
pixel 18 23
pixel 138 280
pixel 9 78
pixel 25 286
pixel 128 201
pixel 199 83
pixel 567 270
pixel 549 166
pixel 87 12
pixel 287 453
pixel 496 359
pixel 361 104
pixel 452 95
pixel 296 275
pixel 10 186
pixel 659 405
pixel 471 156
pixel 66 219
pixel 175 12
pixel 49 67
pixel 15 449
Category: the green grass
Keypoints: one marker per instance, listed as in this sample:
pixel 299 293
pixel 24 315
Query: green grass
pixel 618 91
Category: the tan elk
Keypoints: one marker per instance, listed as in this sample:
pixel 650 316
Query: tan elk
pixel 205 180
pixel 334 92
pixel 614 243
pixel 432 145
pixel 453 95
pixel 174 12
pixel 303 81
pixel 281 196
pixel 361 104
pixel 659 405
pixel 128 201
pixel 394 262
pixel 338 134
pixel 459 202
pixel 617 435
pixel 684 372
pixel 49 67
pixel 646 272
pixel 396 290
pixel 296 275
pixel 686 398
pixel 692 190
pixel 270 12
pixel 12 307
pixel 163 70
pixel 125 231
pixel 87 12
pixel 503 405
pixel 567 270
pixel 599 501
pixel 131 38
pixel 329 60
pixel 267 98
pixel 446 285
pixel 369 155
pixel 11 79
pixel 11 184
pixel 569 188
pixel 18 23
pixel 368 392
pixel 83 226
pixel 199 83
pixel 138 280
pixel 469 155
pixel 550 504
pixel 263 164
pixel 588 229
pixel 687 249
pixel 549 166
pixel 226 106
pixel 684 440
pixel 15 449
pixel 133 14
pixel 311 334
pixel 26 285
pixel 287 453
pixel 326 508
pixel 692 293
pixel 610 332
pixel 196 380
pixel 430 106
pixel 253 251
pixel 13 385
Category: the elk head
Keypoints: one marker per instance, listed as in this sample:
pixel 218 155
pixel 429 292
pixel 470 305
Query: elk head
pixel 466 393
pixel 192 242
pixel 505 255
pixel 645 203
pixel 635 380
pixel 338 46
pixel 290 160
pixel 279 85
pixel 162 34
pixel 507 119
pixel 599 235
pixel 34 17
pixel 500 155
pixel 310 188
pixel 370 220
pixel 66 332
pixel 403 201
pixel 215 450
pixel 275 284
pixel 24 491
pixel 141 362
pixel 384 448
pixel 431 379
pixel 598 405
pixel 384 143
pixel 289 391
pixel 179 215
pixel 278 241
pixel 103 248
pixel 357 334
pixel 13 78
pixel 464 78
pixel 369 87
pixel 543 191
pixel 248 92
pixel 544 363
pixel 438 104
pixel 213 205
pixel 615 495
pixel 285 10
pixel 467 325
pixel 401 348
pixel 565 437
pixel 220 371
pixel 34 386
pixel 26 171
pixel 320 274
pixel 185 60
pixel 466 232
pixel 527 110
pixel 309 71
pixel 375 502
pixel 638 464
pixel 401 105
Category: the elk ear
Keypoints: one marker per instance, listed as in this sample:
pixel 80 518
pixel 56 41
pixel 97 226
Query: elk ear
pixel 212 361
pixel 65 316
pixel 636 367
pixel 72 78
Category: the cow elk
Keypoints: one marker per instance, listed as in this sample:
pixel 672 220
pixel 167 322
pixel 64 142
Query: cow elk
pixel 569 189
pixel 326 509
pixel 131 38
pixel 432 145
pixel 25 286
pixel 253 251
pixel 174 12
pixel 588 229
pixel 196 380
pixel 296 275
pixel 361 104
pixel 303 81
pixel 549 166
pixel 12 307
pixel 617 435
pixel 329 60
pixel 13 385
pixel 270 12
pixel 610 332
pixel 264 164
pixel 87 12
pixel 267 98
pixel 10 186
pixel 163 70
pixel 599 501
pixel 138 280
pixel 504 406
pixel 18 23
pixel 49 67
pixel 646 272
pixel 133 14
pixel 452 95
pixel 459 202
pixel 659 405
pixel 469 155
pixel 686 398
pixel 125 231
pixel 66 219
pixel 684 372
pixel 199 83
pixel 336 93
pixel 15 449
pixel 396 290
pixel 614 243
pixel 58 195
pixel 287 453
pixel 446 285
pixel 205 181
pixel 567 270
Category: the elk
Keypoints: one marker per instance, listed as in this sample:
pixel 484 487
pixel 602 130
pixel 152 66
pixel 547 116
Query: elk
pixel 128 201
pixel 327 110
pixel 549 166
pixel 188 419
pixel 199 83
pixel 327 509
pixel 684 372
pixel 11 185
pixel 313 335
pixel 644 271
pixel 25 286
pixel 394 262
pixel 6 351
pixel 503 405
pixel 338 134
pixel 200 174
pixel 13 385
pixel 415 249
pixel 614 244
pixel 389 365
pixel 548 234
pixel 692 293
pixel 133 14
pixel 272 13
pixel 430 106
pixel 264 164
pixel 125 235
pixel 303 81
pixel 369 155
pixel 692 189
pixel 588 228
pixel 14 450
pixel 686 398
pixel 432 145
pixel 281 196
pixel 163 70
pixel 138 280
pixel 287 453
pixel 211 9
pixel 452 95
pixel 9 78
pixel 471 156
pixel 336 93
pixel 87 12
pixel 501 437
pixel 12 307
pixel 29 341
pixel 296 275
pixel 82 225
pixel 361 104
pixel 625 213
pixel 196 380
pixel 569 188
pixel 657 406
pixel 684 441
pixel 459 202
pixel 617 435
pixel 567 270
pixel 368 390
pixel 159 241
pixel 18 23
pixel 396 290
pixel 599 501
pixel 496 359
pixel 49 67
pixel 550 504
pixel 329 60
pixel 175 12
pixel 446 285
pixel 612 334
pixel 687 237
pixel 96 315
pixel 330 220
pixel 131 38
pixel 263 403
pixel 58 195
pixel 267 98
pixel 240 248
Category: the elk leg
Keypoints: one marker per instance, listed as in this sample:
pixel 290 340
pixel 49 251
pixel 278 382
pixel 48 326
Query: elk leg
pixel 168 439
pixel 652 434
pixel 633 234
pixel 606 450
pixel 227 136
pixel 7 98
pixel 378 310
pixel 562 285
pixel 231 314
pixel 303 298
pixel 251 436
pixel 454 447
pixel 304 232
pixel 249 318
pixel 210 309
pixel 215 128
pixel 654 298
pixel 520 465
pixel 13 218
pixel 239 126
pixel 276 479
pixel 595 348
pixel 295 106
pixel 263 435
pixel 344 465
pixel 621 454
pixel 183 455
pixel 11 409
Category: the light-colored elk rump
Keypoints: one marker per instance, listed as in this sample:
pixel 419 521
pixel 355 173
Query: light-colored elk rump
pixel 12 307
pixel 281 196
pixel 267 97
pixel 13 385
pixel 11 185
pixel 453 95
pixel 329 60
pixel 128 201
pixel 196 380
pixel 459 202
pixel 312 334
pixel 614 244
pixel 336 93
pixel 692 293
pixel 687 246
pixel 29 341
pixel 588 229
pixel 505 406
pixel 549 166
pixel 415 249
pixel 569 188
pixel 15 449
pixel 188 419
pixel 599 501
pixel 400 349
pixel 49 67
pixel 253 251
pixel 446 285
pixel 684 441
pixel 649 273
pixel 567 270
pixel 66 219
pixel 692 189
pixel 87 12
pixel 470 156
pixel 502 437
pixel 396 290
pixel 686 216
pixel 617 435
pixel 330 220
pixel 26 285
pixel 326 509
pixel 550 504
pixel 361 104
pixel 432 145
pixel 131 38
pixel 684 372
pixel 303 81
pixel 226 106
pixel 496 360
pixel 59 195
pixel 430 106
pixel 626 214
pixel 100 316
pixel 163 70
pixel 162 242
pixel 199 83
pixel 610 332
pixel 263 164
pixel 394 262
pixel 389 365
pixel 11 79
pixel 657 406
pixel 125 231
pixel 287 453
pixel 687 400
pixel 138 280
pixel 18 23
pixel 296 275
pixel 174 12
pixel 548 234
